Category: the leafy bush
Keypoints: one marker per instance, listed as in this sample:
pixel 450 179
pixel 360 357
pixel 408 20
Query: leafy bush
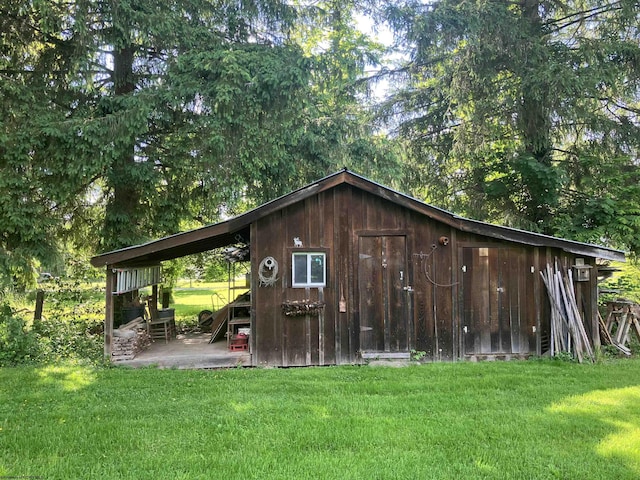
pixel 71 327
pixel 626 282
pixel 61 338
pixel 18 345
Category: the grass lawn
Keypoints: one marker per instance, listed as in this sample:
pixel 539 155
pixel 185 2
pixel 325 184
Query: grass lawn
pixel 191 299
pixel 511 420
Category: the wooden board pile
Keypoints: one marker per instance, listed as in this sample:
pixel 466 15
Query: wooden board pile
pixel 623 319
pixel 129 339
pixel 567 328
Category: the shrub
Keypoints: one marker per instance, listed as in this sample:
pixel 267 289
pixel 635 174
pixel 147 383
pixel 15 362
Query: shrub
pixel 61 338
pixel 18 345
pixel 73 327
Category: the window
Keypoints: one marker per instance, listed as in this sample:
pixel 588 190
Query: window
pixel 309 269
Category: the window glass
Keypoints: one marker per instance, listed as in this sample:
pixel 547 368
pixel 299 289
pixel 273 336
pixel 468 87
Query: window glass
pixel 317 268
pixel 299 268
pixel 309 269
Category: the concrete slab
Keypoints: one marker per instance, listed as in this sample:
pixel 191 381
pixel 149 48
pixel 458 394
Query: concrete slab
pixel 191 350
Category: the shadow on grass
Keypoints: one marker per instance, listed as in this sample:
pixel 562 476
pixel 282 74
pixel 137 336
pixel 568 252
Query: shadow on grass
pixel 617 410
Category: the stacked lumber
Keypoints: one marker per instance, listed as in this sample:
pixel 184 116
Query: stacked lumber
pixel 568 333
pixel 623 319
pixel 129 339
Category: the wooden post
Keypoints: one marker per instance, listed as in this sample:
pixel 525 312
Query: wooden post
pixel 153 301
pixel 166 295
pixel 109 310
pixel 593 311
pixel 37 316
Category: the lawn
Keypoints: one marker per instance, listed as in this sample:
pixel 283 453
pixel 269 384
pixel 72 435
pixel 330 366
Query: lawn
pixel 505 420
pixel 190 298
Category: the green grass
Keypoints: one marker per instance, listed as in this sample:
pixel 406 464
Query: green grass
pixel 517 420
pixel 189 300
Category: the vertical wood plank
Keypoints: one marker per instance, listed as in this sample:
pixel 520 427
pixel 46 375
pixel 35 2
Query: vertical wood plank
pixel 537 338
pixel 108 320
pixel 371 295
pixel 592 306
pixel 269 341
pixel 440 259
pixel 454 291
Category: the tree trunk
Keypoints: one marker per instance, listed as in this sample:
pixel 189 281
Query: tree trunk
pixel 535 125
pixel 122 218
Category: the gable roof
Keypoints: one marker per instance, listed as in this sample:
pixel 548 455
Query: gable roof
pixel 237 228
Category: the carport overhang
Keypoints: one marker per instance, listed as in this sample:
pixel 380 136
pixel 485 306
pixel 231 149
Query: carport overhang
pixel 175 246
pixel 154 253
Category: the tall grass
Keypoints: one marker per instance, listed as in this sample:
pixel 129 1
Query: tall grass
pixel 522 420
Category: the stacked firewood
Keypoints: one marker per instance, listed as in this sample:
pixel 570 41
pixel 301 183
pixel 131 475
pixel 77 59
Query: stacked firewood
pixel 567 329
pixel 129 340
pixel 300 308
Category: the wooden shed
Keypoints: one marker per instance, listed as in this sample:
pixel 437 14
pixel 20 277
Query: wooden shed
pixel 345 269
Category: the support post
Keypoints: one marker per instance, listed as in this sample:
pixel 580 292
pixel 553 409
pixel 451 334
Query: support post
pixel 37 316
pixel 109 310
pixel 593 311
pixel 166 296
pixel 153 301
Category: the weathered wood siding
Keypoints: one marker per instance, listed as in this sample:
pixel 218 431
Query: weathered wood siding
pixel 409 282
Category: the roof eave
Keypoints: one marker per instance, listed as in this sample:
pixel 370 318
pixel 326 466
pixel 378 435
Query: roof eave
pixel 242 221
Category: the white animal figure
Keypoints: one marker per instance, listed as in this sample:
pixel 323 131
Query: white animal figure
pixel 297 242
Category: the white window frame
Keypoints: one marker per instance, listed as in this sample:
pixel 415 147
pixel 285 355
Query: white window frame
pixel 308 283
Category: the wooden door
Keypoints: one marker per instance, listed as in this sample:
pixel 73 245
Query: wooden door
pixel 383 296
pixel 496 288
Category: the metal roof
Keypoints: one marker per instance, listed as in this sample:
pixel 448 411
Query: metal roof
pixel 236 230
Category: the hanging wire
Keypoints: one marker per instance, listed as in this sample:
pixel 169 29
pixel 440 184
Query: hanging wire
pixel 425 270
pixel 268 272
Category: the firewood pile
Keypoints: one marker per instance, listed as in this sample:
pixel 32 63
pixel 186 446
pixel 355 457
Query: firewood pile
pixel 300 308
pixel 568 333
pixel 129 340
pixel 622 321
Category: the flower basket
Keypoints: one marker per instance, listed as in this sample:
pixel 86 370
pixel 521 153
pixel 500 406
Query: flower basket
pixel 301 308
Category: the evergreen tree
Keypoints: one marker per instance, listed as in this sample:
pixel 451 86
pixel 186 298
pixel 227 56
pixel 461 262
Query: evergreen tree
pixel 525 112
pixel 125 120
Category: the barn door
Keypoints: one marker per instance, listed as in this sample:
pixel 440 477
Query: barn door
pixel 383 294
pixel 496 291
